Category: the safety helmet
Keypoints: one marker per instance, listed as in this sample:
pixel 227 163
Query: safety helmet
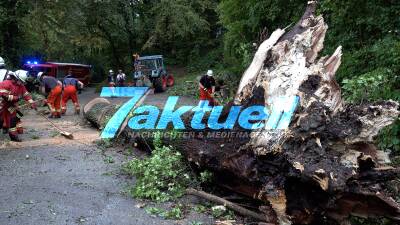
pixel 11 73
pixel 40 75
pixel 111 71
pixel 210 73
pixel 21 75
pixel 2 63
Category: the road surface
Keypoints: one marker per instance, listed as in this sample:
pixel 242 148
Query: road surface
pixel 47 179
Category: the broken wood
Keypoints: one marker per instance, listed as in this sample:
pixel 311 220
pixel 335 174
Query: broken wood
pixel 325 165
pixel 230 205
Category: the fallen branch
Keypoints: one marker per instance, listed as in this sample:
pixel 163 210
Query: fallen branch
pixel 230 205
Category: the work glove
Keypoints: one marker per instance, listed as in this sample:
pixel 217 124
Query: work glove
pixel 34 106
pixel 10 98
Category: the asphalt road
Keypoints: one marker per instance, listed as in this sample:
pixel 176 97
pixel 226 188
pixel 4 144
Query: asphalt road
pixel 50 180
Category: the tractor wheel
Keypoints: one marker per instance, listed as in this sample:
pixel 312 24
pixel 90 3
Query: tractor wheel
pixel 160 85
pixel 170 81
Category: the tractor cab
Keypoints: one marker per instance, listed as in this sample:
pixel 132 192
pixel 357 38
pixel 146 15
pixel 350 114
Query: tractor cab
pixel 152 68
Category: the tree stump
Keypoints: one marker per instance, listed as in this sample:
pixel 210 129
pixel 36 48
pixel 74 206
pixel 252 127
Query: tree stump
pixel 325 165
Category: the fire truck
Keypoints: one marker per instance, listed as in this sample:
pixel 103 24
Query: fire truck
pixel 60 70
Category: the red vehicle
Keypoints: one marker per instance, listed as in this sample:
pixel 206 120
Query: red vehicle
pixel 60 70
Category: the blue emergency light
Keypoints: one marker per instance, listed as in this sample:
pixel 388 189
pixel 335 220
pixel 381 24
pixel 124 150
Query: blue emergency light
pixel 32 62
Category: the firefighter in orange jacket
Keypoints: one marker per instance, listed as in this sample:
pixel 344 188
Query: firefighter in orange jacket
pixel 207 88
pixel 52 87
pixel 71 86
pixel 11 91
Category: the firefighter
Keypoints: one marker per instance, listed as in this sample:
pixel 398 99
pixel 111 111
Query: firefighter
pixel 11 91
pixel 136 62
pixel 207 88
pixel 111 79
pixel 121 78
pixel 71 86
pixel 52 87
pixel 3 70
pixel 111 82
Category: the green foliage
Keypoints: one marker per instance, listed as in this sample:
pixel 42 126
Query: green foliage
pixel 160 177
pixel 380 58
pixel 368 31
pixel 105 34
pixel 154 210
pixel 372 74
pixel 361 221
pixel 200 209
pixel 220 211
pixel 105 143
pixel 244 20
pixel 201 62
pixel 205 177
pixel 356 24
pixel 376 85
pixel 109 160
pixel 35 137
pixel 188 85
pixel 157 142
pixel 175 213
pixel 163 176
pixel 196 223
pixel 389 138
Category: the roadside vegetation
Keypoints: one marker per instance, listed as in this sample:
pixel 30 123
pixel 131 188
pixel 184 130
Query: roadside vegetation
pixel 163 177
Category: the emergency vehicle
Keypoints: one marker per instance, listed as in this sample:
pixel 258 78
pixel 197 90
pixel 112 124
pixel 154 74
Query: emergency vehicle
pixel 60 70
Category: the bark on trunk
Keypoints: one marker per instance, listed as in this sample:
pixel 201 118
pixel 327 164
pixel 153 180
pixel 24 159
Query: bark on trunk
pixel 325 165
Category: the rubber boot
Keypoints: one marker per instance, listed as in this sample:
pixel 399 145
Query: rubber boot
pixel 15 138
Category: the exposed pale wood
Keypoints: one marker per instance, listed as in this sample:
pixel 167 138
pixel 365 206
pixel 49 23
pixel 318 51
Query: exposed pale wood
pixel 257 63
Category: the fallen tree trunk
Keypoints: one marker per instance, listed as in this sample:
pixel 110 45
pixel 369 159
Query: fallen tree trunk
pixel 325 164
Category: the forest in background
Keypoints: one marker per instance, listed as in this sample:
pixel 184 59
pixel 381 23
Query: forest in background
pixel 202 34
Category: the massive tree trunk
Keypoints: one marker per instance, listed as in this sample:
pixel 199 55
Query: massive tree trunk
pixel 325 164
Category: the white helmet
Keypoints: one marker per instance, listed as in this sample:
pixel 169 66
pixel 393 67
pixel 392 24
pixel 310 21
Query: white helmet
pixel 2 63
pixel 11 73
pixel 21 75
pixel 111 71
pixel 39 75
pixel 210 73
